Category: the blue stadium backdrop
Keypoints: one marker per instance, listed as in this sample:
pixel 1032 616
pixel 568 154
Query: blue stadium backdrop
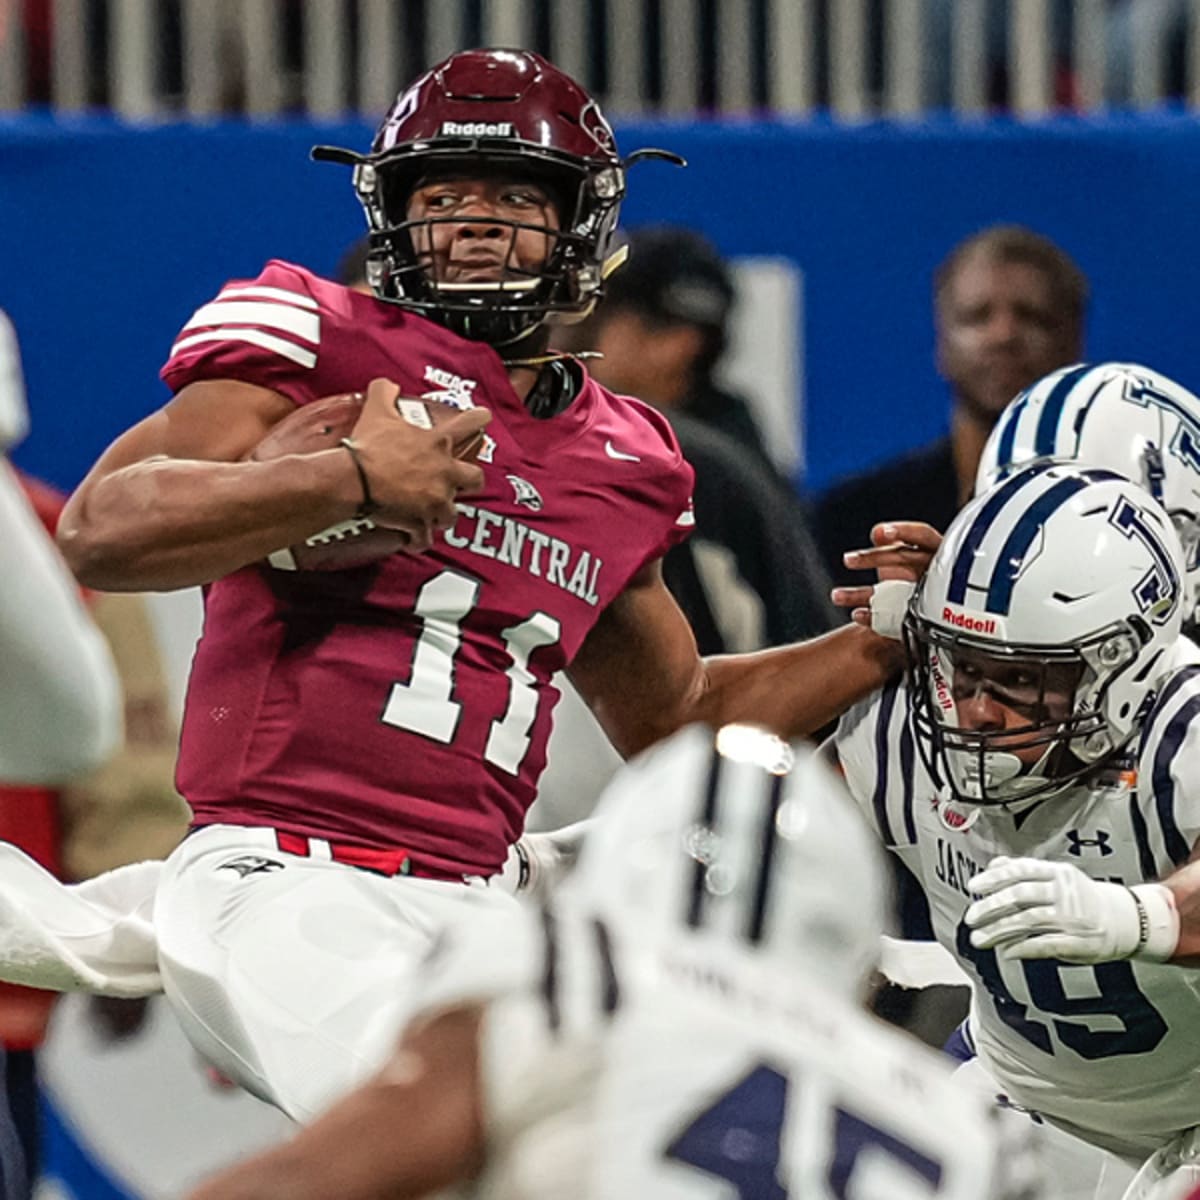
pixel 111 235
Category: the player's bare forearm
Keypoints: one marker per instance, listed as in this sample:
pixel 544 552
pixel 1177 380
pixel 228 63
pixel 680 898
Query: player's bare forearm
pixel 414 1129
pixel 642 677
pixel 166 523
pixel 795 690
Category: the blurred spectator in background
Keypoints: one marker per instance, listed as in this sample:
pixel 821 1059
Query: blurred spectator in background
pixel 1009 306
pixel 662 328
pixel 59 704
pixel 59 707
pixel 750 575
pixel 125 810
pixel 122 810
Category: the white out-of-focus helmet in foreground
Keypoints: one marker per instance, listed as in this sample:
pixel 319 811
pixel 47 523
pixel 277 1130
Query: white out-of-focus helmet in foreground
pixel 736 836
pixel 1057 594
pixel 1122 416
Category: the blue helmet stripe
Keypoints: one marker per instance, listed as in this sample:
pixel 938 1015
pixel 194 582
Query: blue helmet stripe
pixel 1008 433
pixel 961 572
pixel 1081 416
pixel 1047 427
pixel 1012 555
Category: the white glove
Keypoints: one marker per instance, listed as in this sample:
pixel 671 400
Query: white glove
pixel 538 861
pixel 889 604
pixel 1035 909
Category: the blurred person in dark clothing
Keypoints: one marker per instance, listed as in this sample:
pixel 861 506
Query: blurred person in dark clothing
pixel 1009 306
pixel 750 575
pixel 663 327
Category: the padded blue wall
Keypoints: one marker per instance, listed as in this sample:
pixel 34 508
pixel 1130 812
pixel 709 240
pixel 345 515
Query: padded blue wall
pixel 110 236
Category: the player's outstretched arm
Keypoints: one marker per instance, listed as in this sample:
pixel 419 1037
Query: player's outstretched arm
pixel 172 504
pixel 416 1128
pixel 640 673
pixel 60 699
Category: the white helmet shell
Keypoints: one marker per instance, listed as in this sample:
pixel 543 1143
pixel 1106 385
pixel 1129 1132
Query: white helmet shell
pixel 1058 563
pixel 739 837
pixel 1122 416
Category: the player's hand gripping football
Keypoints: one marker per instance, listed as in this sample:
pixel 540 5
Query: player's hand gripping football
pixel 900 553
pixel 1035 909
pixel 413 474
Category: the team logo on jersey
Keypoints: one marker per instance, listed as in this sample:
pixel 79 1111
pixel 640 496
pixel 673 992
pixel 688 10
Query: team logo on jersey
pixel 525 493
pixel 458 392
pixel 251 864
pixel 1098 843
pixel 449 388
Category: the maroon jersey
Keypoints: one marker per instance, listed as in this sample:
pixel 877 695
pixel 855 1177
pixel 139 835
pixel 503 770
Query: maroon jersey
pixel 408 703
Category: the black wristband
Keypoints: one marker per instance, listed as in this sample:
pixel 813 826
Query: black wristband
pixel 368 505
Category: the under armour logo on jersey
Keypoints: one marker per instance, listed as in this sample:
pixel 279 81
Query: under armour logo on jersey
pixel 525 493
pixel 1100 842
pixel 251 864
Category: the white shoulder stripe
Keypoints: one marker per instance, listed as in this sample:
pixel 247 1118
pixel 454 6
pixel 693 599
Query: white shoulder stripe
pixel 306 325
pixel 268 293
pixel 256 337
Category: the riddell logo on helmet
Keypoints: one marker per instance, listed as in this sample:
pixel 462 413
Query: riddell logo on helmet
pixel 962 620
pixel 477 129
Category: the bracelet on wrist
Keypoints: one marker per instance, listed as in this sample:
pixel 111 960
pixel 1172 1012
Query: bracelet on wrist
pixel 1158 922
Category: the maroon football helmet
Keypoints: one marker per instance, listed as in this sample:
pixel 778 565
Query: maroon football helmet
pixel 493 112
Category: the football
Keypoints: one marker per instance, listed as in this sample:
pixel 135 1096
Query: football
pixel 320 426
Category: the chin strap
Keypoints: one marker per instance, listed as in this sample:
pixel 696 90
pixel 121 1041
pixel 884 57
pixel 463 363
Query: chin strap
pixel 540 360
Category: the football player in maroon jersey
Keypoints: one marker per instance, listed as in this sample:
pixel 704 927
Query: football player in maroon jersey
pixel 358 743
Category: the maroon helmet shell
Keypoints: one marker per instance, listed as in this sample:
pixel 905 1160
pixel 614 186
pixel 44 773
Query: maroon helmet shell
pixel 506 94
pixel 493 112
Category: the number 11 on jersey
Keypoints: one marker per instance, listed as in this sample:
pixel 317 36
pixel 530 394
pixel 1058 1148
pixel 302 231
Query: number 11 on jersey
pixel 426 704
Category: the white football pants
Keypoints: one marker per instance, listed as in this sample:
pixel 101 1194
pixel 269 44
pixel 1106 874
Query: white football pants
pixel 293 975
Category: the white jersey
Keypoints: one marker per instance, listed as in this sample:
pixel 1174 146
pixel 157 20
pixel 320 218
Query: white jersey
pixel 1109 1051
pixel 610 1073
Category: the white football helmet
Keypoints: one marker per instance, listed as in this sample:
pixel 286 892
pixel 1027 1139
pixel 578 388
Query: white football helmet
pixel 1122 416
pixel 1057 596
pixel 737 836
